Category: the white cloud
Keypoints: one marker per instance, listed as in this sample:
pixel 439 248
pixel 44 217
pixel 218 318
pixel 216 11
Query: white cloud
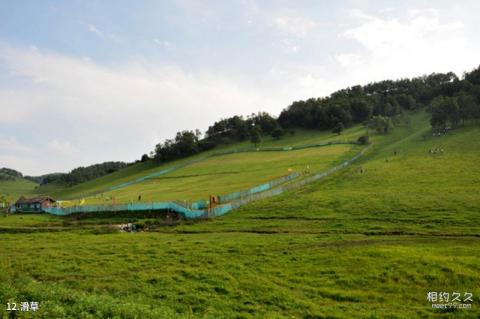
pixel 63 148
pixel 348 59
pixel 298 26
pixel 420 43
pixel 162 43
pixel 290 46
pixel 384 37
pixel 92 28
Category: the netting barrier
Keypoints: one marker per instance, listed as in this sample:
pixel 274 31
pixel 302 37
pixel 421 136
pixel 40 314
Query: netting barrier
pixel 201 209
pixel 142 207
pixel 295 184
pixel 257 189
pixel 283 148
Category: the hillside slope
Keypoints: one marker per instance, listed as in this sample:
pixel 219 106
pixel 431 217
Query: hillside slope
pixel 16 188
pixel 217 175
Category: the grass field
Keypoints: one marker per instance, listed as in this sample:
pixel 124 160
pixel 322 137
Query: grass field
pixel 368 242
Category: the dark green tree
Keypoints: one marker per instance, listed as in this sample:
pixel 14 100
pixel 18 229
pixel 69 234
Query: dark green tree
pixel 468 107
pixel 338 128
pixel 445 112
pixel 361 110
pixel 278 133
pixel 256 136
pixel 363 139
pixel 381 124
pixel 264 121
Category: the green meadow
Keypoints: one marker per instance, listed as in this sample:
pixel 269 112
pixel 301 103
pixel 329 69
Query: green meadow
pixel 369 241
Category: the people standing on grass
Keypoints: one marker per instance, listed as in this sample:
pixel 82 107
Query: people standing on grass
pixel 436 150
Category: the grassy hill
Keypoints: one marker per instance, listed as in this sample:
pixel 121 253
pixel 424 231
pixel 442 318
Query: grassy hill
pixel 17 187
pixel 368 242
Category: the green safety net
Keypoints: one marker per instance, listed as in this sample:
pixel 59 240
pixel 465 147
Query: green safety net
pixel 142 207
pixel 257 189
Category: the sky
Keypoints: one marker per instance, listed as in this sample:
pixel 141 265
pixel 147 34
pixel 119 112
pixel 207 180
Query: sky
pixel 83 82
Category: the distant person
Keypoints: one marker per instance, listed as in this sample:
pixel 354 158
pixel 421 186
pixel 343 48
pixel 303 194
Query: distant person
pixel 139 197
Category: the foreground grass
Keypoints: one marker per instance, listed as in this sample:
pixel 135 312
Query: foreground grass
pixel 368 242
pixel 236 275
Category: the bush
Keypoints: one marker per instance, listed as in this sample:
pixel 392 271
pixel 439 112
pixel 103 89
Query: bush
pixel 5 177
pixel 339 127
pixel 363 139
pixel 278 133
pixel 381 124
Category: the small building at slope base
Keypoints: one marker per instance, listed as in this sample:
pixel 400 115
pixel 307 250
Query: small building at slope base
pixel 34 204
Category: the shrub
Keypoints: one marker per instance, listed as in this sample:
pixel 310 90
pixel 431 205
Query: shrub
pixel 278 133
pixel 339 127
pixel 363 139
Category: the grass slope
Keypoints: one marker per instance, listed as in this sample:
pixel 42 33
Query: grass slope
pixel 228 173
pixel 216 175
pixel 16 188
pixel 368 242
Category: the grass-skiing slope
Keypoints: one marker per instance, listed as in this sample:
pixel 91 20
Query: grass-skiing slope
pixel 229 173
pixel 368 242
pixel 213 175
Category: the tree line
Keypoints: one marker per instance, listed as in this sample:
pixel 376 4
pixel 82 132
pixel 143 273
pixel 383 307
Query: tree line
pixel 83 174
pixel 78 175
pixel 229 130
pixel 8 174
pixel 377 105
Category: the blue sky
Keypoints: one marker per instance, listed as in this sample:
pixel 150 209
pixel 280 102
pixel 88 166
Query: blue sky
pixel 83 82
